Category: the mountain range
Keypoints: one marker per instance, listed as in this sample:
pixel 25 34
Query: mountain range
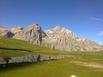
pixel 58 38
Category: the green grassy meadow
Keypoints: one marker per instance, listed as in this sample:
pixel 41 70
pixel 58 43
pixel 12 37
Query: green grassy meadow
pixel 24 48
pixel 52 68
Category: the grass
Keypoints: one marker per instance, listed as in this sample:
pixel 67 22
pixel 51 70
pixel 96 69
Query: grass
pixel 52 68
pixel 55 68
pixel 22 48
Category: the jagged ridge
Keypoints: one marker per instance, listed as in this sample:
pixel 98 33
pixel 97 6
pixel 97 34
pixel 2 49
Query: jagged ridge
pixel 56 38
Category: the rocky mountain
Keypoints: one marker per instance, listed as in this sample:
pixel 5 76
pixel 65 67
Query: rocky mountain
pixel 57 38
pixel 64 39
pixel 32 34
pixel 16 29
pixel 5 32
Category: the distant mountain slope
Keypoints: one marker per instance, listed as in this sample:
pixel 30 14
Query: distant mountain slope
pixel 64 39
pixel 57 38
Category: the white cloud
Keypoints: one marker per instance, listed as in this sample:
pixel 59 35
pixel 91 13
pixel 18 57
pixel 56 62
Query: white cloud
pixel 100 33
pixel 96 19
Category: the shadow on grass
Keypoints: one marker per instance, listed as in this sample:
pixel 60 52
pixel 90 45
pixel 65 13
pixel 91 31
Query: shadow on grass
pixel 14 49
pixel 21 65
pixel 15 65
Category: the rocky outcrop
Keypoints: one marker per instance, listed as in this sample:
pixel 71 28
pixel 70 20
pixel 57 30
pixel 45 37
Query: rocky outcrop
pixel 34 58
pixel 57 38
pixel 32 34
pixel 60 38
pixel 16 29
pixel 6 32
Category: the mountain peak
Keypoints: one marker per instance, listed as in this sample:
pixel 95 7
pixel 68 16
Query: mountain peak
pixel 61 29
pixel 57 28
pixel 16 29
pixel 3 29
pixel 34 27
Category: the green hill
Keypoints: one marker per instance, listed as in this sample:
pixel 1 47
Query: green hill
pixel 13 47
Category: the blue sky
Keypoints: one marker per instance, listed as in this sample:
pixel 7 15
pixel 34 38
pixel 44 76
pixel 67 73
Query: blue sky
pixel 84 17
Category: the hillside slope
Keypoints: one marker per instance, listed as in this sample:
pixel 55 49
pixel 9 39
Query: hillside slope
pixel 14 47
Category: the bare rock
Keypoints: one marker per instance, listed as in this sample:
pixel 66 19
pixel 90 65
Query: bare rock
pixel 32 34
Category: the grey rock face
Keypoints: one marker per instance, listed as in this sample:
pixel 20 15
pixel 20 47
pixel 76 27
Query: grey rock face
pixel 16 29
pixel 64 39
pixel 6 33
pixel 34 58
pixel 32 34
pixel 60 38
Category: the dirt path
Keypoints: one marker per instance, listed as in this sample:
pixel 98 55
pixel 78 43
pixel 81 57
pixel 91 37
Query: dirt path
pixel 87 64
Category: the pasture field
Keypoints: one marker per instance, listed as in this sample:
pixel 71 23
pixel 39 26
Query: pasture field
pixel 83 64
